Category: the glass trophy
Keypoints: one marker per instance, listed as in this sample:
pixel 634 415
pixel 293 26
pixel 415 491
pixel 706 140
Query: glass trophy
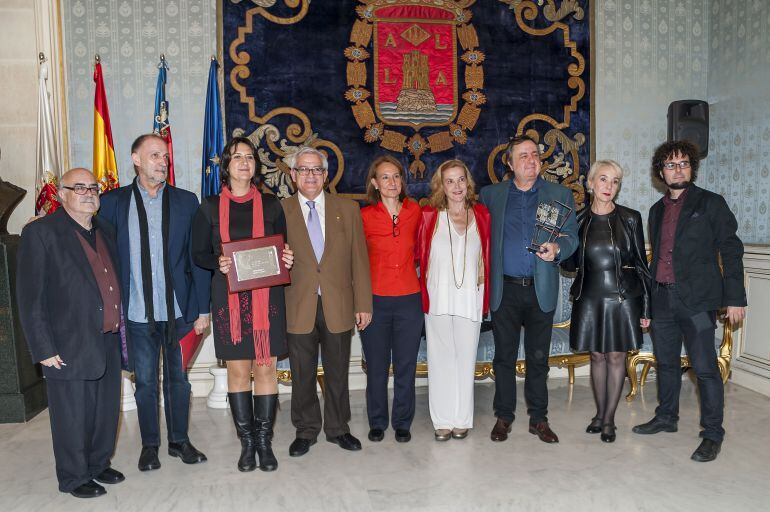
pixel 549 221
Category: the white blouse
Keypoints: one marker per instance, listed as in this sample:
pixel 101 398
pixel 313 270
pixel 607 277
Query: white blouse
pixel 442 283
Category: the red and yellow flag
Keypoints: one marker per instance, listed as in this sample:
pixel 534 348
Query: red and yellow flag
pixel 105 168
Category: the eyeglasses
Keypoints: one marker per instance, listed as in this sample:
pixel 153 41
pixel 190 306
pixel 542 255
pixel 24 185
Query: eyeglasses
pixel 670 166
pixel 304 171
pixel 237 157
pixel 396 230
pixel 82 189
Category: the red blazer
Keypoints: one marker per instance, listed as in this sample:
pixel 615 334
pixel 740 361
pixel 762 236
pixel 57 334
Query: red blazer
pixel 425 237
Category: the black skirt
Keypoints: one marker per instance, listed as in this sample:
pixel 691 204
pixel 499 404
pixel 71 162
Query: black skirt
pixel 224 346
pixel 606 324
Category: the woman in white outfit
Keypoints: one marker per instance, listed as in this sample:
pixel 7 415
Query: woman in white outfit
pixel 453 251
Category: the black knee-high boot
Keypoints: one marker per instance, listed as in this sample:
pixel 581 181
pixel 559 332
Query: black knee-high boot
pixel 243 417
pixel 264 417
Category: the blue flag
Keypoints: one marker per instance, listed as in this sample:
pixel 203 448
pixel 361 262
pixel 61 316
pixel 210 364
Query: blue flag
pixel 160 121
pixel 213 142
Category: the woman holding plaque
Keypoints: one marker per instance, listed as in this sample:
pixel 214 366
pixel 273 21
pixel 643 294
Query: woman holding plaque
pixel 611 292
pixel 453 250
pixel 390 226
pixel 249 327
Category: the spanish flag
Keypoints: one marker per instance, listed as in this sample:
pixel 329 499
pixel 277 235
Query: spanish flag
pixel 105 169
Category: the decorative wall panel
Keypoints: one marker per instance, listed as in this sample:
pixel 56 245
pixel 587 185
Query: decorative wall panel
pixel 130 35
pixel 738 166
pixel 648 54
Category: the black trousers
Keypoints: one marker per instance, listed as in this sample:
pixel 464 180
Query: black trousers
pixel 394 335
pixel 84 421
pixel 673 323
pixel 303 360
pixel 519 308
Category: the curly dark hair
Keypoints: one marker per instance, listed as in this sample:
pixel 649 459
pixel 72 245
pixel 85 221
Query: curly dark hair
pixel 224 175
pixel 668 150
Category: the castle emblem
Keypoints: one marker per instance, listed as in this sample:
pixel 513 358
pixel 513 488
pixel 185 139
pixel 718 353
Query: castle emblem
pixel 414 44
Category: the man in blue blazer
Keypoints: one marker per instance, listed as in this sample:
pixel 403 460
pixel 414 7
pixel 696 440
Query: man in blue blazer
pixel 524 285
pixel 165 295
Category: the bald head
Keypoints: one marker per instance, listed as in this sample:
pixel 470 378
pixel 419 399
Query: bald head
pixel 77 175
pixel 79 194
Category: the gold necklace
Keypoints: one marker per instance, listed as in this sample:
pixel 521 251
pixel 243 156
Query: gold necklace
pixel 451 248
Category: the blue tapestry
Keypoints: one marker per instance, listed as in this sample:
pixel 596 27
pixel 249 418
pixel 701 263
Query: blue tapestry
pixel 422 80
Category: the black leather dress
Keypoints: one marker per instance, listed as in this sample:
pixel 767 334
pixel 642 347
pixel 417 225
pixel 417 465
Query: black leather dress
pixel 611 290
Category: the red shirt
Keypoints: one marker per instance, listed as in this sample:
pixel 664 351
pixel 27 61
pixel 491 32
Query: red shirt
pixel 671 210
pixel 392 256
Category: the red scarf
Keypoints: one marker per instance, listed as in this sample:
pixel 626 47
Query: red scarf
pixel 260 299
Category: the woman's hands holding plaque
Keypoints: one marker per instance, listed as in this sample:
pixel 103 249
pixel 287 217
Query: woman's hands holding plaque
pixel 225 264
pixel 287 257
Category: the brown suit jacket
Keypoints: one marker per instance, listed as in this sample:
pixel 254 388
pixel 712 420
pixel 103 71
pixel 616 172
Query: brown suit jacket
pixel 342 274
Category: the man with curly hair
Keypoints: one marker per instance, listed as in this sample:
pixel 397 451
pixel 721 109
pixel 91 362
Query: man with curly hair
pixel 690 229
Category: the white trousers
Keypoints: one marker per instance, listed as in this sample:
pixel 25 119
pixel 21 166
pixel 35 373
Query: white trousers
pixel 452 343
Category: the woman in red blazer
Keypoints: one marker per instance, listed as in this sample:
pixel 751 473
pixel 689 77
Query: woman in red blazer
pixel 390 226
pixel 453 253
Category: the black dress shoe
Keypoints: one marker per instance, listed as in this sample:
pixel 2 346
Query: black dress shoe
pixel 89 489
pixel 544 432
pixel 110 476
pixel 608 433
pixel 376 435
pixel 300 446
pixel 707 451
pixel 501 430
pixel 654 426
pixel 595 426
pixel 403 436
pixel 148 459
pixel 346 442
pixel 187 452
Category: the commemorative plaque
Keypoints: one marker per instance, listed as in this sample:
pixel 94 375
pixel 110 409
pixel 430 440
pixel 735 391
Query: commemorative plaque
pixel 257 263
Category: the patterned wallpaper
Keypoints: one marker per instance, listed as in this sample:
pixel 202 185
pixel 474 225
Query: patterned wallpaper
pixel 130 35
pixel 648 53
pixel 738 166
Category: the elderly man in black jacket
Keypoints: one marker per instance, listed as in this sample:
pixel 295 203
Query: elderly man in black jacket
pixel 69 306
pixel 690 229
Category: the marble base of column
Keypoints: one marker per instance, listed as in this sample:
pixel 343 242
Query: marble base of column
pixel 127 401
pixel 218 396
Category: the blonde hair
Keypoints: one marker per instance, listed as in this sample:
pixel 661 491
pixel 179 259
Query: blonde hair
pixel 612 164
pixel 437 197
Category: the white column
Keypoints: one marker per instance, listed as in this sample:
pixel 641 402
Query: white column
pixel 218 396
pixel 127 401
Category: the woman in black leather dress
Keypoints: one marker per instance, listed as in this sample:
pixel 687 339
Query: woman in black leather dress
pixel 611 299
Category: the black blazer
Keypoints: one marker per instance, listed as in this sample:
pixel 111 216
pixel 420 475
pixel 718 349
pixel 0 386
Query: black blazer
pixel 631 270
pixel 706 230
pixel 60 306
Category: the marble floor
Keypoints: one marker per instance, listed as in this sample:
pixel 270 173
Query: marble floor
pixel 580 473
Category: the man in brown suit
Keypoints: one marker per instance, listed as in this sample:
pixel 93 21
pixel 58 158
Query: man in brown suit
pixel 330 291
